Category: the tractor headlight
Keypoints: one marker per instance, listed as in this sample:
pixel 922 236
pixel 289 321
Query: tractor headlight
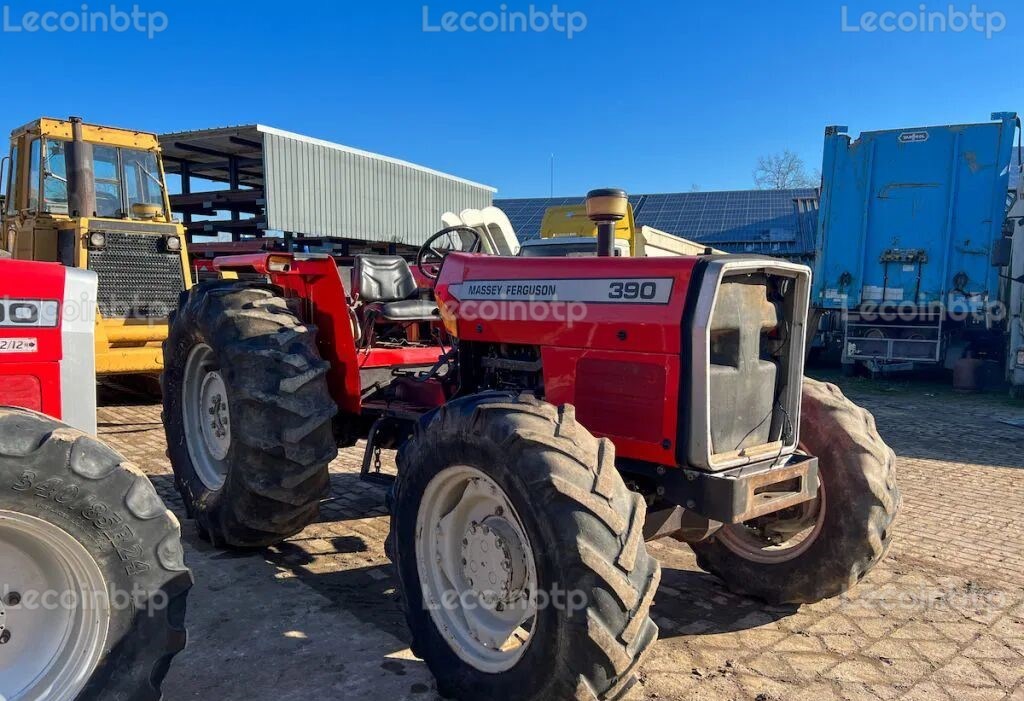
pixel 97 241
pixel 173 244
pixel 1020 358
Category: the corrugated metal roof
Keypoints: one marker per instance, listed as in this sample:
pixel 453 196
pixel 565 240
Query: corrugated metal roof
pixel 227 140
pixel 771 222
pixel 314 187
pixel 318 189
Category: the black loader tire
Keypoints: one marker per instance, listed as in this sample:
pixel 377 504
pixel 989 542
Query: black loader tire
pixel 70 480
pixel 858 471
pixel 281 413
pixel 586 528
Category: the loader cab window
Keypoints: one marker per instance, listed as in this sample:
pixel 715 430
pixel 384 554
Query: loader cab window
pixel 55 178
pixel 33 176
pixel 142 179
pixel 108 182
pixel 12 181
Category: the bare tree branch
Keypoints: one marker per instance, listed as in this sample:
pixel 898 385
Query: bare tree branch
pixel 783 171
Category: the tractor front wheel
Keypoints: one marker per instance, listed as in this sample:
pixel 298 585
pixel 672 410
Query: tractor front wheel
pixel 520 553
pixel 93 583
pixel 247 414
pixel 820 549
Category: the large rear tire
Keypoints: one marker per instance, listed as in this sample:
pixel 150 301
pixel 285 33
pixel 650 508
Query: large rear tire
pixel 247 413
pixel 500 473
pixel 836 540
pixel 92 576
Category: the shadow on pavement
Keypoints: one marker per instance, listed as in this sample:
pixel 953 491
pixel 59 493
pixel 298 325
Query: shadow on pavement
pixel 697 603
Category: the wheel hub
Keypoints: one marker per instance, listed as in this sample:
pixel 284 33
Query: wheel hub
pixel 206 417
pixel 477 569
pixel 217 427
pixel 494 561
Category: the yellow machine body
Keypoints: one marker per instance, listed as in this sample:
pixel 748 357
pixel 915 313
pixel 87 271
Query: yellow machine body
pixel 571 221
pixel 130 240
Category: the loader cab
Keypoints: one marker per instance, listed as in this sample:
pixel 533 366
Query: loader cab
pixel 570 224
pixel 124 181
pixel 95 198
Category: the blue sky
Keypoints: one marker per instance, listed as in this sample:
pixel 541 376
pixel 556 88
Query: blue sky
pixel 653 97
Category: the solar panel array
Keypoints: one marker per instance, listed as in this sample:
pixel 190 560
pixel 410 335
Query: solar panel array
pixel 742 221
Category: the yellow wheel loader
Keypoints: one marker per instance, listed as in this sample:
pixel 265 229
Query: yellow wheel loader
pixel 566 231
pixel 95 198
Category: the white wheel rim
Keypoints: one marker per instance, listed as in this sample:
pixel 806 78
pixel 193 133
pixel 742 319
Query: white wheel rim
pixel 207 417
pixel 55 635
pixel 476 569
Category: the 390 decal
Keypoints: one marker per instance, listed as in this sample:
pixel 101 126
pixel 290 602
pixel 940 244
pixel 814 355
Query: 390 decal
pixel 653 290
pixel 632 289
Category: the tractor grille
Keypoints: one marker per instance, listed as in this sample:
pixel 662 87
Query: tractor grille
pixel 137 278
pixel 749 325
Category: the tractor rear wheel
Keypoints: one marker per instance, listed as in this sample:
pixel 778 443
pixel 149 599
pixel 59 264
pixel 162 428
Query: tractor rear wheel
pixel 247 413
pixel 820 549
pixel 92 576
pixel 520 553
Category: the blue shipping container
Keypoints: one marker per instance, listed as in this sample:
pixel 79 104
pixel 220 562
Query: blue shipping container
pixel 910 215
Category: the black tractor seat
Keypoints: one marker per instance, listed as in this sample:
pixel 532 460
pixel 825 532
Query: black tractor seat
pixel 405 310
pixel 387 289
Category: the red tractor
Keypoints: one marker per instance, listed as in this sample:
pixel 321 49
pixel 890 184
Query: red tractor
pixel 92 578
pixel 550 416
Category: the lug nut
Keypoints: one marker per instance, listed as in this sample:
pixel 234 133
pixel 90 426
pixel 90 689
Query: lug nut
pixel 13 599
pixel 5 637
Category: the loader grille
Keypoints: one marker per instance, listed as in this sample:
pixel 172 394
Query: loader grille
pixel 138 279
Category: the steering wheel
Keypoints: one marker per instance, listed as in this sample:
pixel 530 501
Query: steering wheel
pixel 430 257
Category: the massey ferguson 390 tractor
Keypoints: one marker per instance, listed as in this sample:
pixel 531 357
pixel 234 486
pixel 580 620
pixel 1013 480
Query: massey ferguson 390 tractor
pixel 550 415
pixel 92 579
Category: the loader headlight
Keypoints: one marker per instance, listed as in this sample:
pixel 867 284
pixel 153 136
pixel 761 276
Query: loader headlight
pixel 173 244
pixel 1020 358
pixel 97 241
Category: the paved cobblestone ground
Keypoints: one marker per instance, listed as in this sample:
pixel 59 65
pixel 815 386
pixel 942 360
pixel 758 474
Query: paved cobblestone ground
pixel 942 618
